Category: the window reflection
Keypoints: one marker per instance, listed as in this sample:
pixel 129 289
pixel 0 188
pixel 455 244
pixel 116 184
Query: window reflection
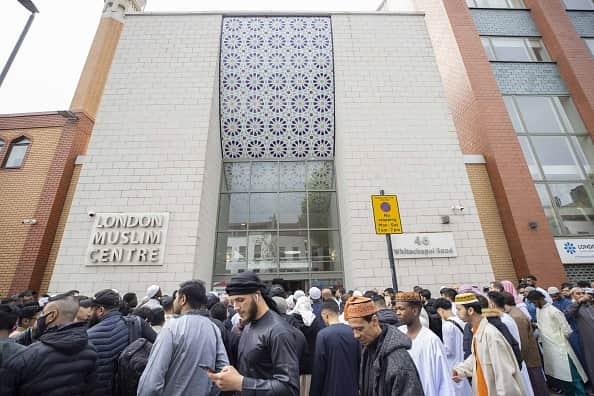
pixel 233 211
pixel 293 251
pixel 324 251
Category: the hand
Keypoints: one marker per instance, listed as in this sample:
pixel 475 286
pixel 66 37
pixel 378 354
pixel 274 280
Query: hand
pixel 228 379
pixel 456 377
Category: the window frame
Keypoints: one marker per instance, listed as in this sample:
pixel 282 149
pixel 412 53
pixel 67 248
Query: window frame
pixel 572 135
pixel 490 49
pixel 510 6
pixel 278 231
pixel 589 41
pixel 9 149
pixel 579 9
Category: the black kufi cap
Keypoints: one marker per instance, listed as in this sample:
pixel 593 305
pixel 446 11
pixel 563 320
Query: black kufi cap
pixel 245 283
pixel 107 298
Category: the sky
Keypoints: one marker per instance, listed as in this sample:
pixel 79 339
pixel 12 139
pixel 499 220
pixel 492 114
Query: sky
pixel 45 72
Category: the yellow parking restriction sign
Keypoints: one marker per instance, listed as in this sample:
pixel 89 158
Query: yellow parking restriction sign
pixel 386 214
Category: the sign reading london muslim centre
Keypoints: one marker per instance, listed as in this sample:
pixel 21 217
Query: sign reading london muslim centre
pixel 128 239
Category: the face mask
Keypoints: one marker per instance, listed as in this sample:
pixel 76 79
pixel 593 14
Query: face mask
pixel 41 326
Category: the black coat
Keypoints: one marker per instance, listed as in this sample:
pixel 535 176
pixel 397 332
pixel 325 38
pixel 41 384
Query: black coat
pixel 61 363
pixel 268 358
pixel 311 333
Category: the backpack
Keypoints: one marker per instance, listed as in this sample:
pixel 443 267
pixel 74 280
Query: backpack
pixel 132 360
pixel 131 363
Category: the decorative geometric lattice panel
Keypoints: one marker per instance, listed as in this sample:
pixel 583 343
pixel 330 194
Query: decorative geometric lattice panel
pixel 277 88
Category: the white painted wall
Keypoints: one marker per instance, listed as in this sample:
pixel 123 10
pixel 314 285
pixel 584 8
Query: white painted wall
pixel 394 131
pixel 155 148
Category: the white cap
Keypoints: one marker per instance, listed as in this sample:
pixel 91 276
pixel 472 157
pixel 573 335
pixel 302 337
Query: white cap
pixel 152 291
pixel 315 293
pixel 357 293
pixel 553 290
pixel 297 294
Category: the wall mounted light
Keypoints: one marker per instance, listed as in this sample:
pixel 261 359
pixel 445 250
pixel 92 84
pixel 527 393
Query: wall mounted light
pixel 29 221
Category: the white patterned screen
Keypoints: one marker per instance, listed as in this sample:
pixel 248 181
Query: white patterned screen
pixel 277 88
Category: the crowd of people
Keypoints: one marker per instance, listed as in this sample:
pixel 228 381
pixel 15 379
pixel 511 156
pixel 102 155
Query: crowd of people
pixel 256 339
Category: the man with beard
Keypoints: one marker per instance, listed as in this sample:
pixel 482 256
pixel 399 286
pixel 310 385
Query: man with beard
pixel 111 333
pixel 185 350
pixel 268 361
pixel 62 362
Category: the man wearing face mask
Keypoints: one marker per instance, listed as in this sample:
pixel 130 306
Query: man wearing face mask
pixel 62 362
pixel 268 361
pixel 110 332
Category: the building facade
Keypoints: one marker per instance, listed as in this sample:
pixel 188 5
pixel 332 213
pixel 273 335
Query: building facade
pixel 232 142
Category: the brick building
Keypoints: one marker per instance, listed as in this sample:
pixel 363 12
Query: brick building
pixel 232 142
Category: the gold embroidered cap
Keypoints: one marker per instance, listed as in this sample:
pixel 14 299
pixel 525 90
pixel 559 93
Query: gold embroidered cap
pixel 359 307
pixel 466 298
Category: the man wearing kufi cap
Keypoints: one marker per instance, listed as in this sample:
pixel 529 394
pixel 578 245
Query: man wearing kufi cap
pixel 268 361
pixel 386 367
pixel 427 350
pixel 492 364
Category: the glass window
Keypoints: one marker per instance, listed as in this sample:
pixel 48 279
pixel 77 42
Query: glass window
pixel 571 115
pixel 236 176
pixel 579 4
pixel 496 3
pixel 266 224
pixel 509 49
pixel 538 114
pixel 574 203
pixel 515 49
pixel 263 211
pixel 324 251
pixel 590 44
pixel 17 152
pixel 548 208
pixel 556 157
pixel 231 252
pixel 322 210
pixel 585 153
pixel 264 176
pixel 1 145
pixel 320 175
pixel 538 50
pixel 529 156
pixel 292 176
pixel 233 211
pixel 262 252
pixel 292 210
pixel 293 251
pixel 513 113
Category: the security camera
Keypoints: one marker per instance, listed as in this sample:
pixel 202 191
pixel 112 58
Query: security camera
pixel 459 208
pixel 92 213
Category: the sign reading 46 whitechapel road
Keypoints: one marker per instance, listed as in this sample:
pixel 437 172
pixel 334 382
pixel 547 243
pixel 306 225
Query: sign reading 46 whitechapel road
pixel 128 239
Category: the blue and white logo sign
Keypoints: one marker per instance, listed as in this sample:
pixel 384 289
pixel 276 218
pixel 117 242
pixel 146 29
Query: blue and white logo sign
pixel 569 248
pixel 575 250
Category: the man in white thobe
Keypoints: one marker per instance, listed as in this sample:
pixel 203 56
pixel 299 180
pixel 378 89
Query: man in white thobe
pixel 427 350
pixel 560 361
pixel 453 340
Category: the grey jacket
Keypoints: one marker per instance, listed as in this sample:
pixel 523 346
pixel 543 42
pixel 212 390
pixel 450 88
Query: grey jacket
pixel 394 372
pixel 184 351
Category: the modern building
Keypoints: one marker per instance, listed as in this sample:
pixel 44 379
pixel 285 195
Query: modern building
pixel 229 142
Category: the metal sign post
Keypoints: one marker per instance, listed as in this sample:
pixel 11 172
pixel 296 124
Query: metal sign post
pixel 386 215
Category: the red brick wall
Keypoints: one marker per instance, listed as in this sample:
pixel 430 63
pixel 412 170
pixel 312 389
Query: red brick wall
pixel 37 190
pixel 484 127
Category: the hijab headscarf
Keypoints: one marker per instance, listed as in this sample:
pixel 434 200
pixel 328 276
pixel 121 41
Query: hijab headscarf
pixel 509 287
pixel 303 308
